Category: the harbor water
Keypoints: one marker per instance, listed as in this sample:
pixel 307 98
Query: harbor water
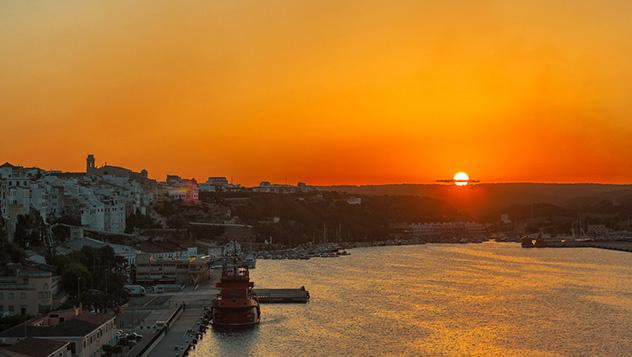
pixel 444 300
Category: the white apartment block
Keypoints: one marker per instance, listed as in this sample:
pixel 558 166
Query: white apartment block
pixel 101 201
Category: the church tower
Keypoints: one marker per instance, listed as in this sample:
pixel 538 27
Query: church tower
pixel 90 166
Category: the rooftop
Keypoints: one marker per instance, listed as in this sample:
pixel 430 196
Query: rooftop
pixel 80 325
pixel 160 246
pixel 35 347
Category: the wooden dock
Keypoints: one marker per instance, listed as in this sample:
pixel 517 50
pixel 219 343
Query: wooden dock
pixel 271 296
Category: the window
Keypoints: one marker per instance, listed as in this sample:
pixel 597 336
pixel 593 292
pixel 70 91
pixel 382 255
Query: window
pixel 11 296
pixel 22 295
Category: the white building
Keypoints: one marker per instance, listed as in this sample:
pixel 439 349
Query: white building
pixel 100 201
pixel 126 252
pixel 219 184
pixel 267 187
pixel 15 196
pixel 185 190
pixel 446 229
pixel 164 249
pixel 150 270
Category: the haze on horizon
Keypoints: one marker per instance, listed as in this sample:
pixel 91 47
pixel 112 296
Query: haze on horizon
pixel 327 92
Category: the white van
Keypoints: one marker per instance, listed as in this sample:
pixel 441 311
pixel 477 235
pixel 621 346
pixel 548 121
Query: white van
pixel 135 290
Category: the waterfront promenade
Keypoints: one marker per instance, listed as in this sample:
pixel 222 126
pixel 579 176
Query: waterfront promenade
pixel 142 313
pixel 177 339
pixel 176 336
pixel 140 316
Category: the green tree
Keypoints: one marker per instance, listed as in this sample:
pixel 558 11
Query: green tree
pixel 91 270
pixel 29 229
pixel 75 278
pixel 141 221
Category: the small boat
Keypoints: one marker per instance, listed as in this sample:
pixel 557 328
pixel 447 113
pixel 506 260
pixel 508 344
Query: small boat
pixel 250 261
pixel 328 255
pixel 527 242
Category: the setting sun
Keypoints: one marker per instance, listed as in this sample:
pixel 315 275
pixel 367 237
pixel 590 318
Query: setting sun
pixel 461 179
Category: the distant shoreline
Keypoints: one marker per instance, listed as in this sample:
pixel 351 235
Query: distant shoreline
pixel 331 250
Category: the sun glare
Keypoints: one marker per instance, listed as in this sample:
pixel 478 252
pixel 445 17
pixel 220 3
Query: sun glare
pixel 461 179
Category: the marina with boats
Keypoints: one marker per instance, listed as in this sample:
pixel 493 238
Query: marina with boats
pixel 559 242
pixel 592 236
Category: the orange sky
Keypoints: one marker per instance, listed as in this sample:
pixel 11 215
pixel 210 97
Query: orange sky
pixel 321 91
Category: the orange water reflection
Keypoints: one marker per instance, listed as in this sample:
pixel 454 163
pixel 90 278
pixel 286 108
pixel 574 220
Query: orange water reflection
pixel 445 300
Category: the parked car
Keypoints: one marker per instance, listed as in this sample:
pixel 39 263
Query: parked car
pixel 126 340
pixel 135 336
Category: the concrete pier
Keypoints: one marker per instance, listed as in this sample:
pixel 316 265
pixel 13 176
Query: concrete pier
pixel 300 295
pixel 624 246
pixel 621 246
pixel 176 339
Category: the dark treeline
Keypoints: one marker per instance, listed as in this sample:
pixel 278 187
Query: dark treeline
pixel 328 215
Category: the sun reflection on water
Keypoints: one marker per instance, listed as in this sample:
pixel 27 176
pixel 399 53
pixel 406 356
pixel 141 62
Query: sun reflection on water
pixel 444 300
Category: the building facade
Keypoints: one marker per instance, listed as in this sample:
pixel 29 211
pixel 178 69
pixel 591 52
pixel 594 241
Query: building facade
pixel 100 199
pixel 29 291
pixel 85 332
pixel 189 271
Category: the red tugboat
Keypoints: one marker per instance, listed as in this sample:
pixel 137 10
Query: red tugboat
pixel 236 305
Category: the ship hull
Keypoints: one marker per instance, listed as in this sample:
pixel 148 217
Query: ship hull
pixel 234 318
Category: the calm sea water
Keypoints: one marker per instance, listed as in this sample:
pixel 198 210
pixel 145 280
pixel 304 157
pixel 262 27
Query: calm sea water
pixel 452 300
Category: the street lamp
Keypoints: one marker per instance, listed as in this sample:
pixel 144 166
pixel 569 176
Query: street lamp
pixel 79 290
